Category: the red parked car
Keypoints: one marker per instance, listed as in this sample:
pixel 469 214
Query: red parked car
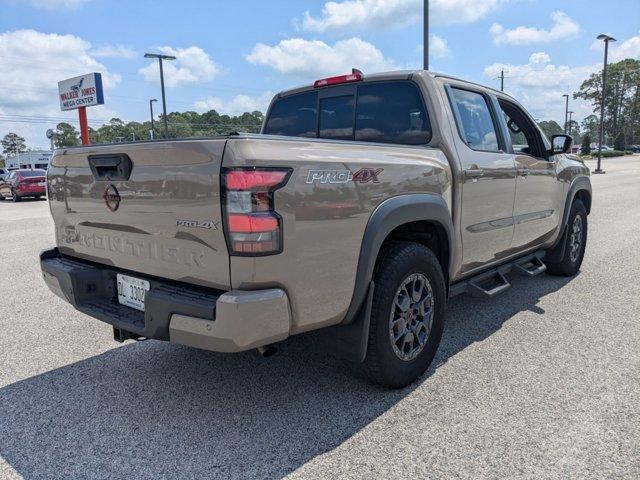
pixel 23 183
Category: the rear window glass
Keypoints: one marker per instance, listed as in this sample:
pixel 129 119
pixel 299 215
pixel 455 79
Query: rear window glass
pixel 294 116
pixel 392 113
pixel 385 112
pixel 336 118
pixel 32 173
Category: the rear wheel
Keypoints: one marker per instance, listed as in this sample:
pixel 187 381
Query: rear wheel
pixel 407 318
pixel 575 243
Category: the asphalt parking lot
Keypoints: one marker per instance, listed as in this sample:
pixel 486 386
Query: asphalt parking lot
pixel 543 382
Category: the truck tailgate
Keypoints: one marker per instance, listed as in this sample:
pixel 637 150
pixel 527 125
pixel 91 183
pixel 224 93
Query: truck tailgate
pixel 163 219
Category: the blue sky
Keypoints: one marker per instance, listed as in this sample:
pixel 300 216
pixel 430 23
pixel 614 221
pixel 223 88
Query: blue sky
pixel 233 55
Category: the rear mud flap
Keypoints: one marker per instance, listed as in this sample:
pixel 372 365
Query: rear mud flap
pixel 350 341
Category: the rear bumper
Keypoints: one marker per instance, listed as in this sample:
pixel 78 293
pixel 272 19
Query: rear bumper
pixel 27 191
pixel 212 320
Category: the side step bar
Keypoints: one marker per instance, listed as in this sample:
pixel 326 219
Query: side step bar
pixel 532 267
pixel 493 282
pixel 489 285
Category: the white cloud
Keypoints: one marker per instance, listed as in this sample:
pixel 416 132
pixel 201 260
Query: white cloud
pixel 563 27
pixel 539 85
pixel 350 14
pixel 31 64
pixel 315 58
pixel 439 47
pixel 114 51
pixel 237 105
pixel 192 65
pixel 55 4
pixel 629 48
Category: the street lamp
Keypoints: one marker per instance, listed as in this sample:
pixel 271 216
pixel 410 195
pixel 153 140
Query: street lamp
pixel 566 111
pixel 606 39
pixel 570 124
pixel 151 108
pixel 164 101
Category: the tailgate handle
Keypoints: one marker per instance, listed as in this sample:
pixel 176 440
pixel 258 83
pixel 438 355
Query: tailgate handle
pixel 111 167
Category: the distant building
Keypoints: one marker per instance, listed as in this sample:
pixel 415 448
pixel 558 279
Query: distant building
pixel 29 160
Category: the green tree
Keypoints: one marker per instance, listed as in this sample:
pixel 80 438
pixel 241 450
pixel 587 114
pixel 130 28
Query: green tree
pixel 591 127
pixel 622 106
pixel 619 143
pixel 573 129
pixel 550 128
pixel 66 135
pixel 12 144
pixel 586 145
pixel 2 164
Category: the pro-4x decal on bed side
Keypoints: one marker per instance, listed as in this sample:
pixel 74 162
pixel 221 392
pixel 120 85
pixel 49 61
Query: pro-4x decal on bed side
pixel 364 175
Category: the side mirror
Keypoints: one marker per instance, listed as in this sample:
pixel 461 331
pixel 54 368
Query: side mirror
pixel 561 143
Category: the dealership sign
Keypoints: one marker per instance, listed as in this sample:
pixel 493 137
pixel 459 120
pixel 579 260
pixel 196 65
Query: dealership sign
pixel 83 91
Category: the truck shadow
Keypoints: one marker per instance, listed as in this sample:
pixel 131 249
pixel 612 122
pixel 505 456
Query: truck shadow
pixel 152 410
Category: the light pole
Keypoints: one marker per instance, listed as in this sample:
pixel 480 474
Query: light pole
pixel 152 132
pixel 570 125
pixel 606 39
pixel 566 111
pixel 426 34
pixel 164 100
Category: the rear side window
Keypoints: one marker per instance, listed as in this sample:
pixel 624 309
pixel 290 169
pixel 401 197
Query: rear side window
pixel 294 116
pixel 392 113
pixel 474 120
pixel 336 117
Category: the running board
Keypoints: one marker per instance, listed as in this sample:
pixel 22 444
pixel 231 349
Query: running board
pixel 532 267
pixel 489 285
pixel 493 282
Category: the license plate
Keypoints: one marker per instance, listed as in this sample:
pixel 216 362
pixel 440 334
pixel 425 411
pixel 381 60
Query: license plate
pixel 131 291
pixel 42 184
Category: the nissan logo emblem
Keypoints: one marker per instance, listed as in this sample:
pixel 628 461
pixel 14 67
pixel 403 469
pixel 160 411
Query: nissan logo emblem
pixel 111 198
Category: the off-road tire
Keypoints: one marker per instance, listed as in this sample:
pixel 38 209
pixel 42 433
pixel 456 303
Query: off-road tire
pixel 398 262
pixel 571 261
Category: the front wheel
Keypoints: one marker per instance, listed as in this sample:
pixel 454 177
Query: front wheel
pixel 407 316
pixel 15 197
pixel 575 243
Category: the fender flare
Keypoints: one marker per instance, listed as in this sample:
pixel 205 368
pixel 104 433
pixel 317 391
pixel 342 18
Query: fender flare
pixel 387 216
pixel 582 183
pixel 578 183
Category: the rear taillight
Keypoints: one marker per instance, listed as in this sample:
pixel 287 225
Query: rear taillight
pixel 252 226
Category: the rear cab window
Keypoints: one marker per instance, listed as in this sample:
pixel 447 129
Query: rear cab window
pixel 294 116
pixel 382 112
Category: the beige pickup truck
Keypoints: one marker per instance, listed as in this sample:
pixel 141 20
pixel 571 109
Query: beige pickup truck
pixel 362 207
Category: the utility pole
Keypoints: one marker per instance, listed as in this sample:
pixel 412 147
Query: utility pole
pixel 606 39
pixel 164 100
pixel 152 132
pixel 566 112
pixel 502 80
pixel 426 34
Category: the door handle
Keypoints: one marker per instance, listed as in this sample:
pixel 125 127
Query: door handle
pixel 474 173
pixel 524 172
